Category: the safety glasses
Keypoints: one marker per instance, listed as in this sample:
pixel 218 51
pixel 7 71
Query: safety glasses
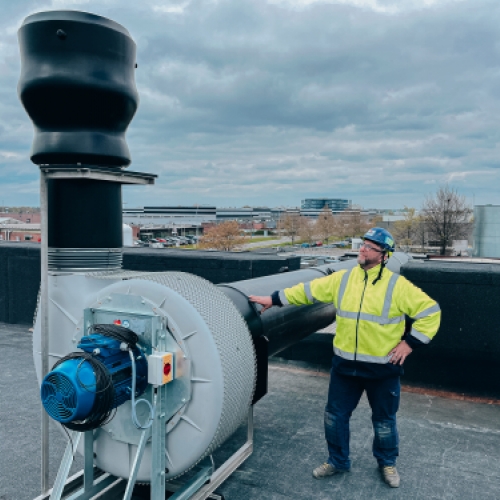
pixel 369 247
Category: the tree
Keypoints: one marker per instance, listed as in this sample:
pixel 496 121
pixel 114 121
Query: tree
pixel 354 224
pixel 225 236
pixel 289 225
pixel 421 232
pixel 406 231
pixel 447 216
pixel 308 229
pixel 326 225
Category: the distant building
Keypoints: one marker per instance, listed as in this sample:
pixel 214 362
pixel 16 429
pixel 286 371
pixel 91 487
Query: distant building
pixel 244 214
pixel 486 235
pixel 334 204
pixel 192 215
pixel 29 217
pixel 20 231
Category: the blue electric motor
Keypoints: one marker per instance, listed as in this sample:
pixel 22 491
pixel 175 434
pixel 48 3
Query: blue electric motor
pixel 84 387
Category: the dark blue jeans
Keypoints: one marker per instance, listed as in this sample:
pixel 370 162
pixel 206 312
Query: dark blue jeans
pixel 343 397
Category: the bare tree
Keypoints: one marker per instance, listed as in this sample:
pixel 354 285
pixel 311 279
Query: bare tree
pixel 421 231
pixel 225 236
pixel 326 226
pixel 308 229
pixel 354 224
pixel 447 216
pixel 406 231
pixel 289 225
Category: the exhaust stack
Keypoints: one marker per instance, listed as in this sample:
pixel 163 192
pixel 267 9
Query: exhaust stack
pixel 77 85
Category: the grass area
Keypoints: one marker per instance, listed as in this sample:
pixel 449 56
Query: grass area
pixel 258 239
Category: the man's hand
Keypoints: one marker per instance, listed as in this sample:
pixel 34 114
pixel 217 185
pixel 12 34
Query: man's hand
pixel 400 353
pixel 265 302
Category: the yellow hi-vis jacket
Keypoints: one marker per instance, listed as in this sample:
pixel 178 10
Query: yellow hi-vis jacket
pixel 370 317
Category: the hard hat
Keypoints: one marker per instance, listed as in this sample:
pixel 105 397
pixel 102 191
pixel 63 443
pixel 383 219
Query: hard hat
pixel 382 237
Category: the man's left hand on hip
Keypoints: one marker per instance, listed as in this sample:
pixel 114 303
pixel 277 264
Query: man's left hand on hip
pixel 400 353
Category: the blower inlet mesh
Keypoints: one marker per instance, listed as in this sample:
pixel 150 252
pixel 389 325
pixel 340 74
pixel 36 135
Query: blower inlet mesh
pixel 233 342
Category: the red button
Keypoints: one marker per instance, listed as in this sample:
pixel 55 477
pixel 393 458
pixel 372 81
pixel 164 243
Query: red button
pixel 167 368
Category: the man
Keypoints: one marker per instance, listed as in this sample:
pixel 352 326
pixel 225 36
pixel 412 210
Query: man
pixel 370 347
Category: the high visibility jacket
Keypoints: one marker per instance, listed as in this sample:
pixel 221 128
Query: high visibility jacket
pixel 370 317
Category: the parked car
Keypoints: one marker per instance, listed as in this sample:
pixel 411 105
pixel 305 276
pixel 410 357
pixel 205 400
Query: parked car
pixel 305 245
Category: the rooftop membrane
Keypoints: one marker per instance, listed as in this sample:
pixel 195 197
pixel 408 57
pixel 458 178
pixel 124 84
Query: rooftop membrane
pixel 450 449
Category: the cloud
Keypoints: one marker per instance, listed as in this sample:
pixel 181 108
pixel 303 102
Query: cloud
pixel 269 102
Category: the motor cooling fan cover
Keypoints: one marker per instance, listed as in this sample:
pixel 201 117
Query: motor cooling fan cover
pixel 68 392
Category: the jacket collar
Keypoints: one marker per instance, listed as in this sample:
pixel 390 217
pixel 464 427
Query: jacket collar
pixel 372 273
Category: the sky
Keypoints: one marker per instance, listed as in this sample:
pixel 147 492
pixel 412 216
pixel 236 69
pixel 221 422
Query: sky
pixel 268 102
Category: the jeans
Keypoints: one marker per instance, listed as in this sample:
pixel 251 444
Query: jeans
pixel 344 394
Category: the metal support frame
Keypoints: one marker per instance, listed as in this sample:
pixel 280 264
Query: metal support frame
pixel 94 172
pixel 146 434
pixel 158 431
pixel 44 309
pixel 228 467
pixel 200 487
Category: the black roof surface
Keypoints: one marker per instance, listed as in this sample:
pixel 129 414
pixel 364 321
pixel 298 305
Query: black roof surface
pixel 449 448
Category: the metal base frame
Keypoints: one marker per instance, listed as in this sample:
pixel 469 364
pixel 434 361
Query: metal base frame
pixel 92 483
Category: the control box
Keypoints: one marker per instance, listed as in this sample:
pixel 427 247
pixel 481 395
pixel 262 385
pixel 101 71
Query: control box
pixel 160 368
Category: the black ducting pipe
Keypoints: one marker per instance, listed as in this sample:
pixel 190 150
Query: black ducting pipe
pixel 283 326
pixel 84 214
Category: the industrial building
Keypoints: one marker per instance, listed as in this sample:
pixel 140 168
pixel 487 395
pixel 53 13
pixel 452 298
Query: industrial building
pixel 334 204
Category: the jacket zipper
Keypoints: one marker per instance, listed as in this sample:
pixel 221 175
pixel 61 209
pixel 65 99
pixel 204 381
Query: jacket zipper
pixel 359 314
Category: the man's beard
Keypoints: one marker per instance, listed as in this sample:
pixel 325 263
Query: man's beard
pixel 363 261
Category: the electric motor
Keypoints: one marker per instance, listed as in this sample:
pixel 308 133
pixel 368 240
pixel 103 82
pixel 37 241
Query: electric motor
pixel 84 387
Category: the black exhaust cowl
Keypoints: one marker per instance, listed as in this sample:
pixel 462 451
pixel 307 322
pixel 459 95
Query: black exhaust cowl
pixel 77 85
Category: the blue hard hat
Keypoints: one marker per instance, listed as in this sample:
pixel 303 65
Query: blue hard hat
pixel 382 237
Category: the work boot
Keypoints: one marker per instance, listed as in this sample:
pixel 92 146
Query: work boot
pixel 390 475
pixel 325 470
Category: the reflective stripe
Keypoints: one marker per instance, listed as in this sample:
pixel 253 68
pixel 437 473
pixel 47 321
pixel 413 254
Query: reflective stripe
pixel 307 290
pixel 283 298
pixel 346 314
pixel 381 360
pixel 420 336
pixel 388 295
pixel 343 354
pixel 343 284
pixel 381 320
pixel 427 312
pixel 370 317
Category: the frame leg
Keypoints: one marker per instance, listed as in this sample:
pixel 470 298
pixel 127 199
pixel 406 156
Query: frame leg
pixel 65 466
pixel 137 462
pixel 158 460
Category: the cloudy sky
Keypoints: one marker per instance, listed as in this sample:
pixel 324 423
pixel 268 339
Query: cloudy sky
pixel 267 102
